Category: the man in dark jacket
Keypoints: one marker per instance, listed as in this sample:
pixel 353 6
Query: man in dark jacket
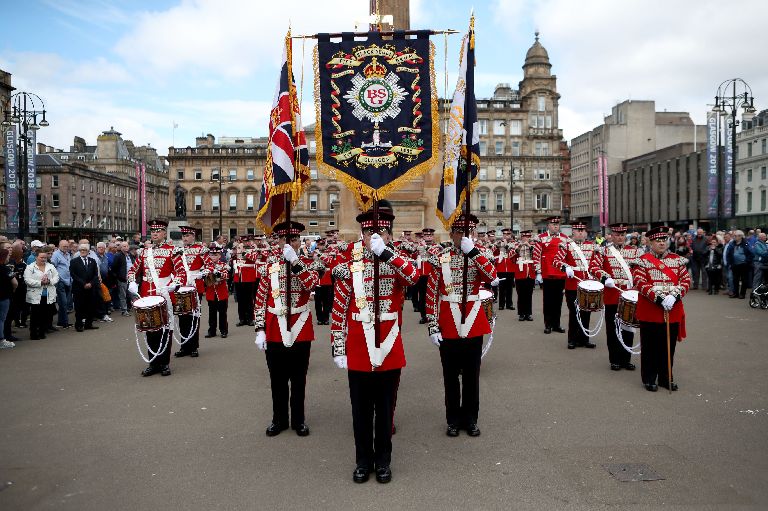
pixel 739 260
pixel 121 263
pixel 85 282
pixel 700 246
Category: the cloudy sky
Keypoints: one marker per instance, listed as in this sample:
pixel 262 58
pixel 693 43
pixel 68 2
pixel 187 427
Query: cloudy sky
pixel 210 66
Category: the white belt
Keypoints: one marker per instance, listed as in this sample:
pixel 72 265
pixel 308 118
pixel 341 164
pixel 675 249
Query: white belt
pixel 244 265
pixel 384 316
pixel 452 298
pixel 283 310
pixel 161 281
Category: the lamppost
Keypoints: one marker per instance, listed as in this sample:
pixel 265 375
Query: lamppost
pixel 221 218
pixel 512 172
pixel 24 112
pixel 727 105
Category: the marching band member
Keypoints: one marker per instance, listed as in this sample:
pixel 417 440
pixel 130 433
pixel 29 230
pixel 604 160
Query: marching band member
pixel 662 279
pixel 548 275
pixel 324 291
pixel 286 337
pixel 373 372
pixel 216 292
pixel 193 256
pixel 424 270
pixel 505 269
pixel 460 344
pixel 245 281
pixel 414 290
pixel 573 258
pixel 524 276
pixel 612 264
pixel 160 274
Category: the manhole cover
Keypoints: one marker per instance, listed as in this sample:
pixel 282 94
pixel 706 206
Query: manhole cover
pixel 632 472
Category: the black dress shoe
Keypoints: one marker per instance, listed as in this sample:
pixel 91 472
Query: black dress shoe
pixel 673 386
pixel 521 318
pixel 274 429
pixel 240 323
pixel 547 330
pixel 452 430
pixel 590 345
pixel 423 321
pixel 629 366
pixel 166 371
pixel 209 335
pixel 51 329
pixel 384 475
pixel 559 329
pixel 79 328
pixel 529 318
pixel 91 327
pixel 651 387
pixel 194 354
pixel 302 430
pixel 223 336
pixel 251 323
pixel 473 430
pixel 360 475
pixel 149 371
pixel 180 354
pixel 615 367
pixel 571 346
pixel 510 307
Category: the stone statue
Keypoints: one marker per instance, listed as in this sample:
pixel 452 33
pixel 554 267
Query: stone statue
pixel 181 201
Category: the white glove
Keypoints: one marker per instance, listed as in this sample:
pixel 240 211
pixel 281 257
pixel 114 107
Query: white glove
pixel 609 282
pixel 436 339
pixel 289 254
pixel 377 244
pixel 340 361
pixel 204 273
pixel 261 340
pixel 539 280
pixel 467 245
pixel 569 272
pixel 133 288
pixel 495 282
pixel 668 302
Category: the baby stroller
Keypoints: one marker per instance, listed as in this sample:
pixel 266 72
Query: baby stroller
pixel 759 297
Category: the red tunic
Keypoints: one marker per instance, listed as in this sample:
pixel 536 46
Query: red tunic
pixel 169 269
pixel 523 261
pixel 217 291
pixel 195 256
pixel 544 255
pixel 652 282
pixel 440 309
pixel 604 265
pixel 568 256
pixel 347 335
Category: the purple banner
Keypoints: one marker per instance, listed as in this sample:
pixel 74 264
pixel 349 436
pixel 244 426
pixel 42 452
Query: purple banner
pixel 32 182
pixel 728 207
pixel 712 184
pixel 11 180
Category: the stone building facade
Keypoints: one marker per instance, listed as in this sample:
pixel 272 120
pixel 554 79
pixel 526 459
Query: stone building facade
pixel 750 179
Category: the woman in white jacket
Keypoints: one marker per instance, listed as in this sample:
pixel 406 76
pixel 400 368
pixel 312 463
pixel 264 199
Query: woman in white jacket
pixel 41 278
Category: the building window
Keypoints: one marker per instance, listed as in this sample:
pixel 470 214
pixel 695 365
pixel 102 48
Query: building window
pixel 55 220
pixel 74 200
pixel 515 127
pixel 313 223
pixel 735 178
pixel 749 149
pixel 233 202
pixel 313 173
pixel 541 174
pixel 313 202
pixel 499 147
pixel 38 182
pixel 516 202
pixel 542 103
pixel 541 149
pixel 498 127
pixel 483 148
pixel 515 148
pixel 82 185
pixel 91 186
pixel 180 175
pixel 762 200
pixel 54 181
pixel 214 233
pixel 198 175
pixel 499 201
pixel 215 202
pixel 482 126
pixel 736 203
pixel 331 223
pixel 249 202
pixel 82 202
pixel 250 230
pixel 499 173
pixel 249 175
pixel 483 201
pixel 542 201
pixel 109 207
pixel 482 174
pixel 749 202
pixel 762 173
pixel 39 201
pixel 233 174
pixel 749 175
pixel 332 197
pixel 214 174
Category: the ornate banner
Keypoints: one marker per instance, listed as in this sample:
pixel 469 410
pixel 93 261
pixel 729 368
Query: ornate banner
pixel 376 112
pixel 32 183
pixel 713 186
pixel 11 180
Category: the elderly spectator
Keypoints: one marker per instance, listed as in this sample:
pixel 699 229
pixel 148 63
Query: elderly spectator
pixel 713 265
pixel 700 251
pixel 8 285
pixel 102 307
pixel 85 280
pixel 681 247
pixel 60 260
pixel 739 259
pixel 760 252
pixel 120 266
pixel 41 278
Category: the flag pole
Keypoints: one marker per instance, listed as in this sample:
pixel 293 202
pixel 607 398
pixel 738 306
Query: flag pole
pixel 376 291
pixel 289 195
pixel 469 96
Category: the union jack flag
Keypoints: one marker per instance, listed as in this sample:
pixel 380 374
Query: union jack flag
pixel 287 169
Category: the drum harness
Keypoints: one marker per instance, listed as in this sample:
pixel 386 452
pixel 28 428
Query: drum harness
pixel 196 314
pixel 167 331
pixel 594 331
pixel 620 325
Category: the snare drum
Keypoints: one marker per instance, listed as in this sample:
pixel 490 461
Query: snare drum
pixel 151 313
pixel 486 302
pixel 589 295
pixel 186 301
pixel 626 308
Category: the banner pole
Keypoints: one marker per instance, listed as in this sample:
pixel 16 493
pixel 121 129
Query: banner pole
pixel 469 96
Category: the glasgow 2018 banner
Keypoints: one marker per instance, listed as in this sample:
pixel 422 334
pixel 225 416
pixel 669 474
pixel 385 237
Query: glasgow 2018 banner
pixel 376 112
pixel 11 180
pixel 713 186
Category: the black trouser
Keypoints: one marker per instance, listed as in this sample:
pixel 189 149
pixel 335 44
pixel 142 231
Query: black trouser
pixel 323 303
pixel 715 276
pixel 84 302
pixel 740 283
pixel 698 264
pixel 505 290
pixel 217 307
pixel 244 292
pixel 373 396
pixel 421 291
pixel 653 354
pixel 39 318
pixel 524 296
pixel 288 365
pixel 616 354
pixel 553 301
pixel 576 335
pixel 153 341
pixel 462 400
pixel 185 327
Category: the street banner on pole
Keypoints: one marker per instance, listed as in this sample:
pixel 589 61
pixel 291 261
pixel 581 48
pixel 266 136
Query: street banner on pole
pixel 728 206
pixel 11 180
pixel 712 184
pixel 32 183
